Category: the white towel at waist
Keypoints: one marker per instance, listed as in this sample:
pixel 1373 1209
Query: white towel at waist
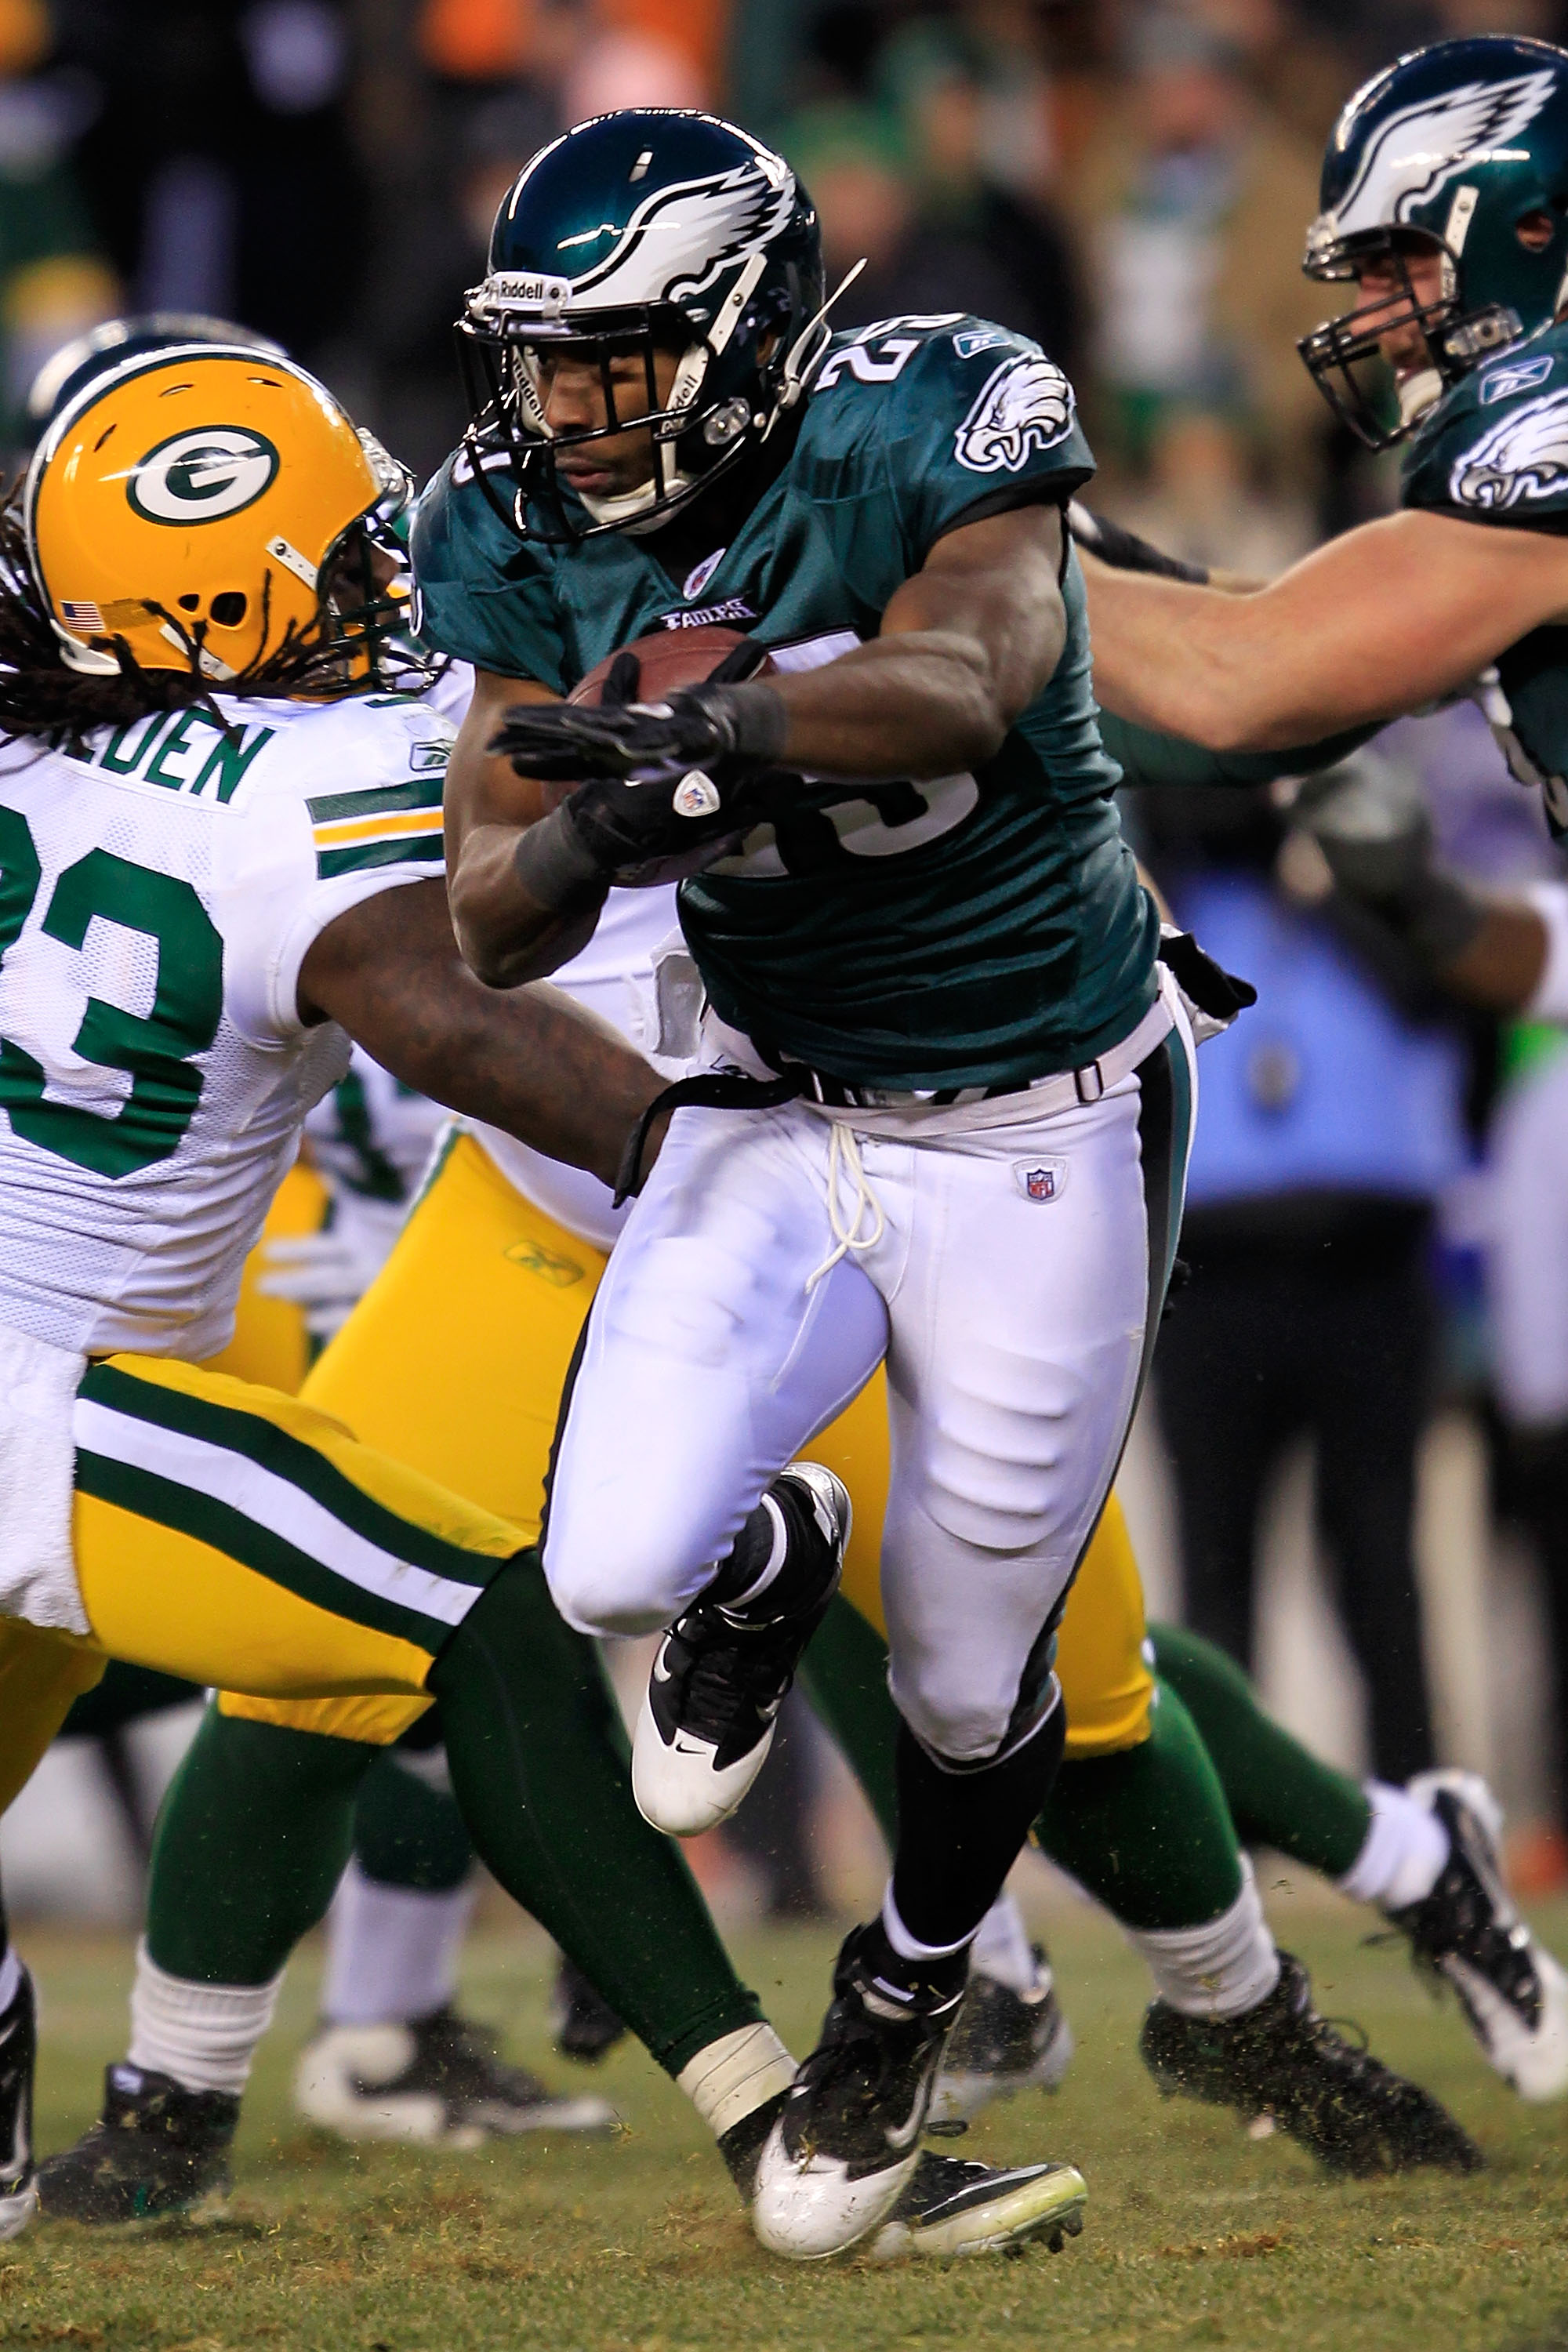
pixel 37 1481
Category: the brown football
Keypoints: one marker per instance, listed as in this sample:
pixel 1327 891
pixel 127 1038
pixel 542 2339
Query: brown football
pixel 671 657
pixel 666 659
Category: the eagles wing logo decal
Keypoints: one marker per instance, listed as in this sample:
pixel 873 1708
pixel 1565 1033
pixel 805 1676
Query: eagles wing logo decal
pixel 1525 456
pixel 680 239
pixel 1027 405
pixel 1419 150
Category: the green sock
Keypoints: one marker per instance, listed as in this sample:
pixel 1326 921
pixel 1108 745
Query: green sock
pixel 1279 1793
pixel 251 1841
pixel 407 1833
pixel 538 1760
pixel 1147 1831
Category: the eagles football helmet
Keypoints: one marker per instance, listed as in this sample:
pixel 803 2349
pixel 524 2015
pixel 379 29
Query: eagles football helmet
pixel 650 227
pixel 1448 150
pixel 210 508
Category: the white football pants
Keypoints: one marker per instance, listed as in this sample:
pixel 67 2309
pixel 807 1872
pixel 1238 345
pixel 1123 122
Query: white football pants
pixel 1014 1289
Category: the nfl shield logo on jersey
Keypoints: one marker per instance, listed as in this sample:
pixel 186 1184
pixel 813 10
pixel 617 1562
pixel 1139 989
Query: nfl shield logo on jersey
pixel 1040 1179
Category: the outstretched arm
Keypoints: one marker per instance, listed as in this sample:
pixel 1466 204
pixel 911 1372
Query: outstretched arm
pixel 1391 616
pixel 527 1060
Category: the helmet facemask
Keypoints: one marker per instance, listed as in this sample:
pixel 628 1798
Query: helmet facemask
pixel 1345 357
pixel 716 407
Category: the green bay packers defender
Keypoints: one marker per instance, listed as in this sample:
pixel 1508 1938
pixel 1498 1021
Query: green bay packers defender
pixel 959 1089
pixel 216 835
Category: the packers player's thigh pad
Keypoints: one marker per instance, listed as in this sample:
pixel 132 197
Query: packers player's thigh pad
pixel 1107 1684
pixel 453 1362
pixel 238 1537
pixel 270 1342
pixel 41 1672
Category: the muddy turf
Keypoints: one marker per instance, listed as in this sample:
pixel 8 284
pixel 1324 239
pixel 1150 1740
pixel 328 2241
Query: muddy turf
pixel 1197 2234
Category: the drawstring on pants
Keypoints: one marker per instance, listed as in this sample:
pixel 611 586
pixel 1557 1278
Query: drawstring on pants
pixel 844 1150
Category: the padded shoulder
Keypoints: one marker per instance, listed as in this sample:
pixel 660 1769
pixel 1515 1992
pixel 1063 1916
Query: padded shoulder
pixel 949 415
pixel 484 596
pixel 1495 449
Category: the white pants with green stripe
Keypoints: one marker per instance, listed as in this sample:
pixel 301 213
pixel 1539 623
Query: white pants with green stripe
pixel 1011 1277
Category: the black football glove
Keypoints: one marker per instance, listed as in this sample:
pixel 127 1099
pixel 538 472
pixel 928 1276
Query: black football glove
pixel 660 780
pixel 1368 817
pixel 727 732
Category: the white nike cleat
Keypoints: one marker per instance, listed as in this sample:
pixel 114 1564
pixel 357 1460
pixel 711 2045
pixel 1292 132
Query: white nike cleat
pixel 951 2208
pixel 436 2081
pixel 721 1675
pixel 846 2142
pixel 1514 1993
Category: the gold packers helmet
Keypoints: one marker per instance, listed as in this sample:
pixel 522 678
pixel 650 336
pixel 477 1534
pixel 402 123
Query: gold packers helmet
pixel 211 508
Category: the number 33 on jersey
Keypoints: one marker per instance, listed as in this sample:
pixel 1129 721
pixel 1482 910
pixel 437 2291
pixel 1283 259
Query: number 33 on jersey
pixel 159 887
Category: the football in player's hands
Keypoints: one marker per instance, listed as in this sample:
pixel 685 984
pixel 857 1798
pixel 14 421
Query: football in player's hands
pixel 653 753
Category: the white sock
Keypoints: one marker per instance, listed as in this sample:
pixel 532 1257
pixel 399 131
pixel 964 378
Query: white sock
pixel 392 1951
pixel 203 2035
pixel 1002 1948
pixel 909 1948
pixel 1220 1970
pixel 733 2076
pixel 1405 1853
pixel 10 1977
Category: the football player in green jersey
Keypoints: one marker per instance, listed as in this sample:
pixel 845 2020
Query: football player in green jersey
pixel 950 1086
pixel 1444 197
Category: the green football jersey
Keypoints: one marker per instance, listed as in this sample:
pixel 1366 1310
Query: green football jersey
pixel 975 930
pixel 1495 450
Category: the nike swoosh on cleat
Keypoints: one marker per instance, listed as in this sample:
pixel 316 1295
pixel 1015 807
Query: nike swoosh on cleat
pixel 661 1672
pixel 691 1747
pixel 906 2135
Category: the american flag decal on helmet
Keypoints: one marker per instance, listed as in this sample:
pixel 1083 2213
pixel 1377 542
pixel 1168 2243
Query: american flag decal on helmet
pixel 81 616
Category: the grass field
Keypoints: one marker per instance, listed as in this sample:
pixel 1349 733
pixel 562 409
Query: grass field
pixel 1197 2235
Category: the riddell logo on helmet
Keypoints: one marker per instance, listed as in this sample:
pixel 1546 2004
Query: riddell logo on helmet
pixel 203 475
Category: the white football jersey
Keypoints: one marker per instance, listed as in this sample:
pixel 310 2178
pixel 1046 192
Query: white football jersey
pixel 158 894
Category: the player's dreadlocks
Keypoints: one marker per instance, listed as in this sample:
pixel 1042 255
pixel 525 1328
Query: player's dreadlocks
pixel 39 696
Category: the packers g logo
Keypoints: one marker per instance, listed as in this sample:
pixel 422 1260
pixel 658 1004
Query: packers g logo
pixel 203 475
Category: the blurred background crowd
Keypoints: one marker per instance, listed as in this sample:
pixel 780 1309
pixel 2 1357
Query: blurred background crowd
pixel 1354 1470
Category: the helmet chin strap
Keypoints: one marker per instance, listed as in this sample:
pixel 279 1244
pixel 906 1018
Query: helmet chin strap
pixel 806 354
pixel 1418 393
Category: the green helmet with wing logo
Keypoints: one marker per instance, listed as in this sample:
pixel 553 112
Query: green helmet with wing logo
pixel 651 228
pixel 1459 150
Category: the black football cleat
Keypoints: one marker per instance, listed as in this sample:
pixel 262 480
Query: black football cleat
pixel 155 2150
pixel 1283 2061
pixel 1469 1931
pixel 586 2026
pixel 846 2141
pixel 721 1674
pixel 1003 2042
pixel 18 2058
pixel 437 2080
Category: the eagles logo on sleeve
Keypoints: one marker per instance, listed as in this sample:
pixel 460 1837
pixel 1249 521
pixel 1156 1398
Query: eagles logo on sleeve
pixel 1524 455
pixel 1027 404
